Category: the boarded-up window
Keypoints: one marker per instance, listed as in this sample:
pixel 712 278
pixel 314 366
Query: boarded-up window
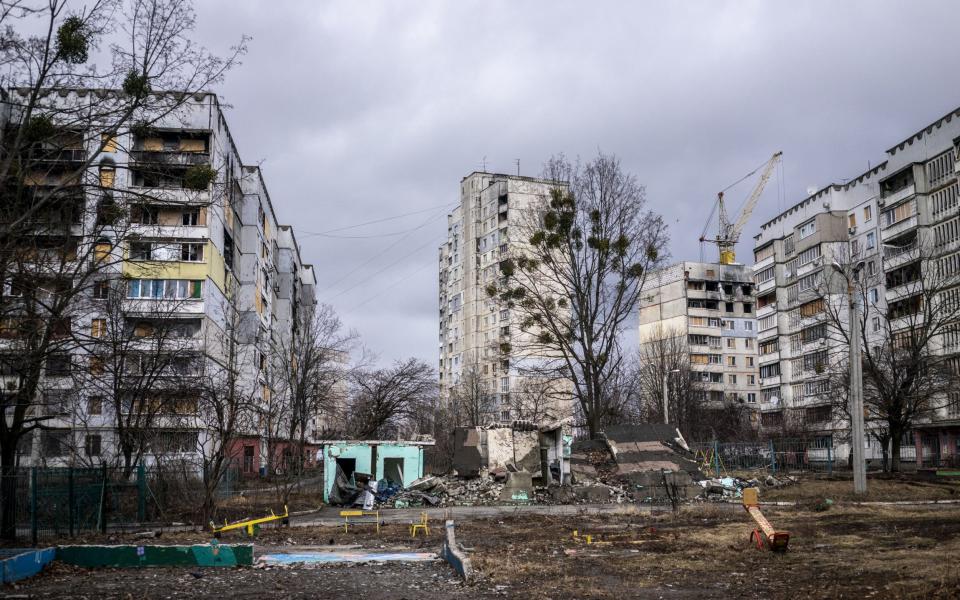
pixel 98 328
pixel 812 308
pixel 96 365
pixel 192 145
pixel 109 142
pixel 107 176
pixel 153 144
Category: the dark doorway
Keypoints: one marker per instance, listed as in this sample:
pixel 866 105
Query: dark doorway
pixel 393 470
pixel 248 459
pixel 348 466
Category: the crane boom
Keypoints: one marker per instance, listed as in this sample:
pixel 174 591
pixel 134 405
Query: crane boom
pixel 729 233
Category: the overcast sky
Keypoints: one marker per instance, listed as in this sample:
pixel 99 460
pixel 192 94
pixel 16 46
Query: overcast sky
pixel 362 110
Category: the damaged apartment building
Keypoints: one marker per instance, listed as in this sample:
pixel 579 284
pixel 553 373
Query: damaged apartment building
pixel 480 344
pixel 707 312
pixel 199 278
pixel 899 220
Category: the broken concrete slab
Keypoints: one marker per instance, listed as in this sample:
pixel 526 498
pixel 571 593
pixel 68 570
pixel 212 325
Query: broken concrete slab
pixel 519 487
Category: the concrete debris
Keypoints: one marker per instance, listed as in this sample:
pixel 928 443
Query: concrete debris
pixel 732 487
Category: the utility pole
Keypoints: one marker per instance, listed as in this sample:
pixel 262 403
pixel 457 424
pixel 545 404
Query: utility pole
pixel 856 382
pixel 666 398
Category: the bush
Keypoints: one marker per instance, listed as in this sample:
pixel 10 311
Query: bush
pixel 199 177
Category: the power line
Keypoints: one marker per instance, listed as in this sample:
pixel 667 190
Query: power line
pixel 393 264
pixel 383 220
pixel 386 249
pixel 392 285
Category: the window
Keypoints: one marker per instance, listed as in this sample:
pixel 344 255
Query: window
pixel 504 415
pixel 871 268
pixel 227 249
pixel 191 252
pixel 101 290
pixel 504 384
pixel 815 333
pixel 107 176
pixel 808 229
pixel 815 362
pixel 58 365
pixel 144 214
pixel 768 322
pixel 748 325
pixel 751 396
pixel 728 325
pixel 141 250
pixel 809 255
pixel 899 213
pixel 874 295
pixel 732 379
pixel 164 288
pixel 766 275
pixel 747 307
pixel 191 217
pixel 812 308
pixel 788 245
pixel 770 371
pixel 54 442
pixel 750 363
pixel 867 213
pixel 91 445
pixel 97 365
pixel 871 240
pixel 731 361
pixel 876 324
pixel 95 405
pixel 731 342
pixel 98 327
pixel 852 218
pixel 747 342
pixel 855 247
pixel 763 253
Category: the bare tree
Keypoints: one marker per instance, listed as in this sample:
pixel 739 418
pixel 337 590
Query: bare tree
pixel 577 281
pixel 227 408
pixel 908 345
pixel 311 366
pixel 385 402
pixel 142 362
pixel 471 400
pixel 60 218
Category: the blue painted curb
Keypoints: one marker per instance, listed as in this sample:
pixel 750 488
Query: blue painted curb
pixel 26 563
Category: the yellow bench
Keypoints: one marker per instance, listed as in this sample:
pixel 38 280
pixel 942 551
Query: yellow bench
pixel 359 514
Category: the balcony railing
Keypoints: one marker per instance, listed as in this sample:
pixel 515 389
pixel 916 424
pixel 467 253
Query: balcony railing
pixel 173 157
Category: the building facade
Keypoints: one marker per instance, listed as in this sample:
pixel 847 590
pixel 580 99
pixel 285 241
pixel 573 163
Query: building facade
pixel 900 220
pixel 479 343
pixel 711 308
pixel 193 275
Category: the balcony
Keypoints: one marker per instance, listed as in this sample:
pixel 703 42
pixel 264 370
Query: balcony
pixel 63 155
pixel 172 157
pixel 900 254
pixel 897 229
pixel 767 334
pixel 905 290
pixel 170 195
pixel 766 286
pixel 897 196
pixel 770 381
pixel 769 357
pixel 763 264
pixel 767 310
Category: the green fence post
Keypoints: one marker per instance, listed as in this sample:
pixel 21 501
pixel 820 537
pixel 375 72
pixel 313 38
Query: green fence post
pixel 102 516
pixel 71 499
pixel 141 493
pixel 773 459
pixel 716 457
pixel 33 505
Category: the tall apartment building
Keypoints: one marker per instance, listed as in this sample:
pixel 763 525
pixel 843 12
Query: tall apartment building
pixel 711 307
pixel 881 217
pixel 478 338
pixel 197 253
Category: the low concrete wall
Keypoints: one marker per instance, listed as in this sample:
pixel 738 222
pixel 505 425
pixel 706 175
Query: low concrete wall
pixel 453 555
pixel 200 555
pixel 25 563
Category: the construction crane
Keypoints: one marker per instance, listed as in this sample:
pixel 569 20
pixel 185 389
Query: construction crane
pixel 728 234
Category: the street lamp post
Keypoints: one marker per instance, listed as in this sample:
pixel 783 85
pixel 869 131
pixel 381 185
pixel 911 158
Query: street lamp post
pixel 666 395
pixel 856 382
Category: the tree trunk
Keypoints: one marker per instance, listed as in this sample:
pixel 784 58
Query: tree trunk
pixel 8 490
pixel 895 452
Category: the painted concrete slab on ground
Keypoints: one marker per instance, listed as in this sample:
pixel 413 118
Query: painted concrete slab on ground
pixel 199 555
pixel 308 558
pixel 20 563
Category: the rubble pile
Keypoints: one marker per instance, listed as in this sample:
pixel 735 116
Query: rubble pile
pixel 718 488
pixel 449 490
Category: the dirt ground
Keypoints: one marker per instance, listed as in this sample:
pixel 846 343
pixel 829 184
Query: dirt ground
pixel 888 552
pixel 884 488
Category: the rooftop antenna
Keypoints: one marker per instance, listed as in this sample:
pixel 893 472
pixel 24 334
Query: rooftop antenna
pixel 484 163
pixel 518 166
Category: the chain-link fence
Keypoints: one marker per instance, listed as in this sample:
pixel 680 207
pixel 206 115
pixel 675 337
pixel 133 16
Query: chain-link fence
pixel 788 456
pixel 68 501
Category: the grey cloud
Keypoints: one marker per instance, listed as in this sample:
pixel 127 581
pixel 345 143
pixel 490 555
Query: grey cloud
pixel 365 109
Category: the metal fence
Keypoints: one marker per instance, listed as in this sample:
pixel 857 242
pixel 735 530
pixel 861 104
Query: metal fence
pixel 68 501
pixel 788 456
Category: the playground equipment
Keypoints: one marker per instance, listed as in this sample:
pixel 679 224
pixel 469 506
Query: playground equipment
pixel 359 517
pixel 764 534
pixel 252 526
